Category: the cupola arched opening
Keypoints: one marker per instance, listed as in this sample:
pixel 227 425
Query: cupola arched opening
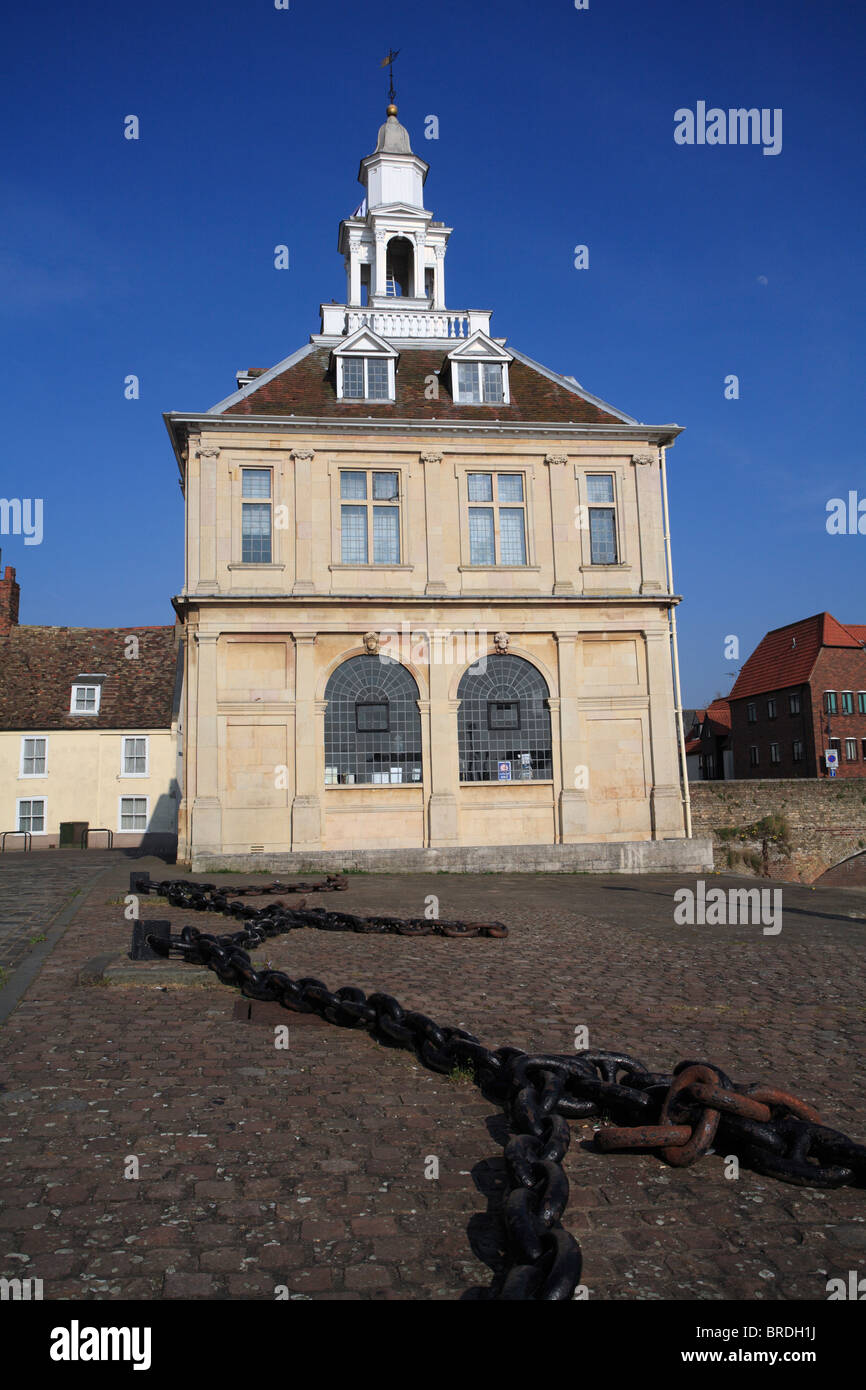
pixel 503 723
pixel 372 722
pixel 400 267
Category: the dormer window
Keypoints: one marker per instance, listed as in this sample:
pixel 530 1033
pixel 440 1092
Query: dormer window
pixel 85 699
pixel 365 368
pixel 365 378
pixel 479 372
pixel 479 383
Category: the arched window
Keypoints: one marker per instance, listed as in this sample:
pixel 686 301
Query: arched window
pixel 372 723
pixel 503 724
pixel 400 267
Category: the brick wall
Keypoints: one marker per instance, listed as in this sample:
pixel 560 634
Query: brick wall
pixel 10 594
pixel 827 821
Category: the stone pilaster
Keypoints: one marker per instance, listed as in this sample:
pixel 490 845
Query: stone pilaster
pixel 307 814
pixel 565 560
pixel 303 461
pixel 666 802
pixel 432 465
pixel 574 796
pixel 206 819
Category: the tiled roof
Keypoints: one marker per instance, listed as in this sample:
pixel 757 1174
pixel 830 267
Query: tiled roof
pixel 693 745
pixel 719 716
pixel 787 655
pixel 38 666
pixel 307 388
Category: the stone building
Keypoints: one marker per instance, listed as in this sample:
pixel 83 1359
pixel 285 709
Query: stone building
pixel 427 596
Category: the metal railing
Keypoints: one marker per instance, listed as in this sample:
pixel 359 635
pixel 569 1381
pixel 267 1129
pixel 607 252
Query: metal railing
pixel 28 839
pixel 97 830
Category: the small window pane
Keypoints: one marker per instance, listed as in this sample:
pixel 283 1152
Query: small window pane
pixel 385 487
pixel 371 718
pixel 851 750
pixel 135 756
pixel 353 485
pixel 602 535
pixel 377 380
pixel 256 534
pixel 599 487
pixel 481 551
pixel 861 702
pixel 512 539
pixel 256 482
pixel 511 487
pixel 31 816
pixel 354 535
pixel 467 382
pixel 847 702
pixel 386 536
pixel 503 714
pixel 492 374
pixel 353 377
pixel 33 761
pixel 480 487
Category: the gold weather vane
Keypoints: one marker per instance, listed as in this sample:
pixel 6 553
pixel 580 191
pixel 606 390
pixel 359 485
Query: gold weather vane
pixel 389 62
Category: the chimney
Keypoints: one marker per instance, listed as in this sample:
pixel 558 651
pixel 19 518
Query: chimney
pixel 10 593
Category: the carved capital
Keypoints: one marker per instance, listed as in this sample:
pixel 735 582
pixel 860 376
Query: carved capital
pixel 431 457
pixel 551 459
pixel 208 452
pixel 440 252
pixel 381 238
pixel 302 454
pixel 643 459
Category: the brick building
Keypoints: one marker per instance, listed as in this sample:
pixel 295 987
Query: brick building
pixel 708 743
pixel 802 692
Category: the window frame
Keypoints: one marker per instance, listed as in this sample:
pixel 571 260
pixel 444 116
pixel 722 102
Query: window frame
pixel 794 706
pixel 861 701
pixel 366 357
pixel 19 802
pixel 754 755
pixel 370 502
pixel 33 738
pixel 133 796
pixel 831 703
pixel 775 755
pixel 257 502
pixel 496 506
pixel 86 685
pixel 751 712
pixel 129 738
pixel 797 751
pixel 772 708
pixel 851 758
pixel 846 696
pixel 479 364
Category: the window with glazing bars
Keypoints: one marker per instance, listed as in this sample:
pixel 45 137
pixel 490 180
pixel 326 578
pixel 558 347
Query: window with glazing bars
pixel 369 517
pixel 372 723
pixel 602 519
pixel 256 516
pixel 31 816
pixel 504 717
pixel 497 532
pixel 365 378
pixel 33 757
pixel 134 757
pixel 479 383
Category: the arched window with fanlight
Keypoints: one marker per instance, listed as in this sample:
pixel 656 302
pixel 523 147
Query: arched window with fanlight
pixel 503 723
pixel 372 723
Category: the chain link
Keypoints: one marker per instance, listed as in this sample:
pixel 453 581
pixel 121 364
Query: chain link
pixel 683 1115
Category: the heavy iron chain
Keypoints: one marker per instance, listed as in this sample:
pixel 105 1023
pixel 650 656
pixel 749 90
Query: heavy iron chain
pixel 682 1115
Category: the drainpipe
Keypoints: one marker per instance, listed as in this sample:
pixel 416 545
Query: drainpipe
pixel 675 657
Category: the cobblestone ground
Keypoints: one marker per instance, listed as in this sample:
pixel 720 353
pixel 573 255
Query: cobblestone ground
pixel 306 1168
pixel 34 888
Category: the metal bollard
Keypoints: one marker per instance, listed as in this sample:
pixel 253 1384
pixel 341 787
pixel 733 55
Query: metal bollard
pixel 140 932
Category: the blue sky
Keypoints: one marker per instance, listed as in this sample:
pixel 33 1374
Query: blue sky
pixel 155 257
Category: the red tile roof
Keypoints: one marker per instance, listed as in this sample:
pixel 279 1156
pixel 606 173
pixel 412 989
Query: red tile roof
pixel 307 388
pixel 787 655
pixel 38 666
pixel 719 716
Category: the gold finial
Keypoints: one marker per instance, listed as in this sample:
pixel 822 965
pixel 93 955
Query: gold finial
pixel 391 110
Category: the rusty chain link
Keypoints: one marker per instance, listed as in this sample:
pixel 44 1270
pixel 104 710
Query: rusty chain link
pixel 682 1115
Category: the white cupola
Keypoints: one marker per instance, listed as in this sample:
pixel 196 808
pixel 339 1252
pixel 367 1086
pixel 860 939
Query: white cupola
pixel 392 247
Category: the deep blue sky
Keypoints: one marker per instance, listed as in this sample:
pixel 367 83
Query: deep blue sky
pixel 556 128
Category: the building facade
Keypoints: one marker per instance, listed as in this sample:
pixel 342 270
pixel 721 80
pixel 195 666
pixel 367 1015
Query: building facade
pixel 427 598
pixel 800 695
pixel 89 733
